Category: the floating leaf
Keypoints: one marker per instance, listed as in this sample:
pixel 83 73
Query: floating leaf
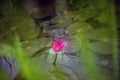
pixel 35 45
pixel 26 28
pixel 61 21
pixel 39 52
pixel 59 75
pixel 78 4
pixel 4 28
pixel 100 34
pixel 98 4
pixel 103 16
pixel 83 14
pixel 103 48
pixel 6 49
pixel 88 12
pixel 77 16
pixel 79 28
pixel 61 5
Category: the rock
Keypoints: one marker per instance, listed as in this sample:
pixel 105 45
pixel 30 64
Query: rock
pixel 10 66
pixel 57 33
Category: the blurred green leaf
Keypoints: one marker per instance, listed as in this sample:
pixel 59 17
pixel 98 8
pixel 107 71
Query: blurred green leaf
pixel 27 64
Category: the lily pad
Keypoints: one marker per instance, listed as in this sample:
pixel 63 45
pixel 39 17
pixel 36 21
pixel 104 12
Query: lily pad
pixel 6 49
pixel 83 14
pixel 32 46
pixel 61 21
pixel 59 75
pixel 61 5
pixel 78 4
pixel 100 34
pixel 103 16
pixel 4 28
pixel 26 28
pixel 98 4
pixel 102 48
pixel 88 12
pixel 79 28
pixel 77 16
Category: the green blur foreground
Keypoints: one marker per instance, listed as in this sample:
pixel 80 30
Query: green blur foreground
pixel 28 29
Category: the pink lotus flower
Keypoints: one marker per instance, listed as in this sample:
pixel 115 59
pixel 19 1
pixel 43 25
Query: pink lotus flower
pixel 59 45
